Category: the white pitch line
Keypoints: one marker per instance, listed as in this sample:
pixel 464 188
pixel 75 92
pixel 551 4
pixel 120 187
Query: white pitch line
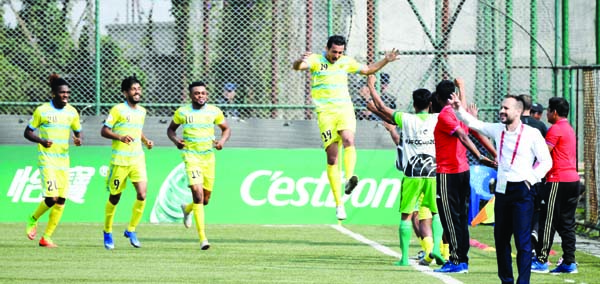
pixel 386 250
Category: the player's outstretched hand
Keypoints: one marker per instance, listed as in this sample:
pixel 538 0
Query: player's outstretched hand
pixel 473 110
pixel 392 55
pixel 454 101
pixel 459 82
pixel 306 55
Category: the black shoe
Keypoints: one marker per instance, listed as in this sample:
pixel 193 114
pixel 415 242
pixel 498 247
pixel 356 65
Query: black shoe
pixel 351 184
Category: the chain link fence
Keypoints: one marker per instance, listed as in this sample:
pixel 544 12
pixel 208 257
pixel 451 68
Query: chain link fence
pixel 243 49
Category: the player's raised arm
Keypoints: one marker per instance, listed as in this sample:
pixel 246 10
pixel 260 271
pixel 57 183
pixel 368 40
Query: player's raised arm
pixel 384 112
pixel 372 68
pixel 301 63
pixel 462 95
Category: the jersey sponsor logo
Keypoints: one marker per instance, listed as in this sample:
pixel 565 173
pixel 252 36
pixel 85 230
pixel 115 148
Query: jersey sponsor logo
pixel 26 185
pixel 419 142
pixel 277 189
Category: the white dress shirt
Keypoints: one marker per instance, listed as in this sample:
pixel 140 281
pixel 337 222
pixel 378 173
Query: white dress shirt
pixel 531 146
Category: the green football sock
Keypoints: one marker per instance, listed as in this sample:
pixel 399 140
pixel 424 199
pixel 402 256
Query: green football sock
pixel 437 231
pixel 404 232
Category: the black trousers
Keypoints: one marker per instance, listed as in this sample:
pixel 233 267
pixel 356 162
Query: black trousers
pixel 557 214
pixel 513 211
pixel 453 192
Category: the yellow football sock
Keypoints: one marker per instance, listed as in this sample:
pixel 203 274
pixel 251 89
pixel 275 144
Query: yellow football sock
pixel 446 251
pixel 349 161
pixel 42 208
pixel 198 210
pixel 136 214
pixel 427 245
pixel 109 213
pixel 333 174
pixel 55 215
pixel 189 207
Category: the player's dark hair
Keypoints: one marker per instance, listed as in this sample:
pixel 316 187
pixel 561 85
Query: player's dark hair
pixel 421 99
pixel 128 82
pixel 195 84
pixel 435 104
pixel 337 40
pixel 526 101
pixel 56 81
pixel 520 103
pixel 444 89
pixel 560 105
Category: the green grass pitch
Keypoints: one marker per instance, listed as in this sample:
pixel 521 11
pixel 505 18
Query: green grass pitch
pixel 239 254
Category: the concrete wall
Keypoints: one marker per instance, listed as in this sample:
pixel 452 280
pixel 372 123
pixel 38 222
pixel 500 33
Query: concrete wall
pixel 254 133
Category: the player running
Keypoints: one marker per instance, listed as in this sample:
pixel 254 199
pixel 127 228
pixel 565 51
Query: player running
pixel 198 120
pixel 124 127
pixel 54 120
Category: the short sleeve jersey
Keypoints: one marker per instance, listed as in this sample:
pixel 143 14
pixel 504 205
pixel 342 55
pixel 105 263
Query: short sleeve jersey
pixel 451 154
pixel 330 81
pixel 561 136
pixel 198 130
pixel 125 120
pixel 55 125
pixel 418 142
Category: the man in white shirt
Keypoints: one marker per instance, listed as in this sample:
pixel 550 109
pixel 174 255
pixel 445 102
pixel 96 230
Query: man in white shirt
pixel 518 146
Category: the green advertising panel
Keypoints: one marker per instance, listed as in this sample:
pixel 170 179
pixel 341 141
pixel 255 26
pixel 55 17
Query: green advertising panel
pixel 252 186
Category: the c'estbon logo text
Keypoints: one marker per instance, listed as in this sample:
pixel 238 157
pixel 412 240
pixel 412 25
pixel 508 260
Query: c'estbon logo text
pixel 273 188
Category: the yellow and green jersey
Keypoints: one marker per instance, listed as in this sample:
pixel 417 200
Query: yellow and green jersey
pixel 198 130
pixel 330 81
pixel 125 120
pixel 55 125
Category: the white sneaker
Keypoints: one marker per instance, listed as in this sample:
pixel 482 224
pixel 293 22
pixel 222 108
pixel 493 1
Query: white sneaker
pixel 187 217
pixel 340 212
pixel 205 245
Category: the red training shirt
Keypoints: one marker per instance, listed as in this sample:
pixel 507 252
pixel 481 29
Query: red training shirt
pixel 450 153
pixel 561 136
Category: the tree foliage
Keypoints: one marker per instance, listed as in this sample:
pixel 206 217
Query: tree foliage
pixel 41 43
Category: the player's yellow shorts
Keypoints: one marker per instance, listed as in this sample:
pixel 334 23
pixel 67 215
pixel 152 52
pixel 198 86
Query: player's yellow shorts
pixel 412 188
pixel 202 172
pixel 117 176
pixel 424 213
pixel 332 121
pixel 55 182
